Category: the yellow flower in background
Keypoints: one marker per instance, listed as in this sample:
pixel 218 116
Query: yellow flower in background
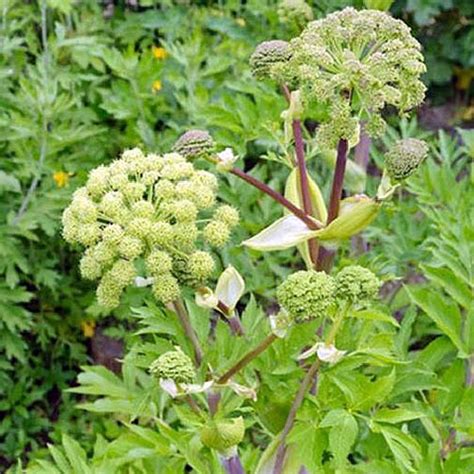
pixel 88 328
pixel 61 178
pixel 157 86
pixel 159 52
pixel 240 22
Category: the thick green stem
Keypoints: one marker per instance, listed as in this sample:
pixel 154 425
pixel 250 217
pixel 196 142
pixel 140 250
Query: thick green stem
pixel 341 314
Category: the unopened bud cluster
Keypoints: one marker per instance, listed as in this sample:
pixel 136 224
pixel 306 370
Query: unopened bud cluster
pixel 355 283
pixel 194 144
pixel 269 59
pixel 403 159
pixel 174 365
pixel 144 211
pixel 295 13
pixel 308 295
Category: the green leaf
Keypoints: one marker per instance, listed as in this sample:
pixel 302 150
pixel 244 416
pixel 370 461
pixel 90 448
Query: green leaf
pixel 8 183
pixel 455 287
pixel 342 434
pixel 374 315
pixel 443 313
pixel 396 415
pixel 76 455
pixel 405 449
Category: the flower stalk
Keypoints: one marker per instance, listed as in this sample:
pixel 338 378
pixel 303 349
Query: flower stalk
pixel 247 358
pixel 189 330
pixel 232 465
pixel 326 257
pixel 277 197
pixel 313 245
pixel 305 385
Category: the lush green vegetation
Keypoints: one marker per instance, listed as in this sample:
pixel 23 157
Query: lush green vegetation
pixel 82 81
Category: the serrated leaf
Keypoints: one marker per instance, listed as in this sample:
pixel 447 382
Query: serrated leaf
pixel 396 415
pixel 445 315
pixel 374 315
pixel 405 449
pixel 342 434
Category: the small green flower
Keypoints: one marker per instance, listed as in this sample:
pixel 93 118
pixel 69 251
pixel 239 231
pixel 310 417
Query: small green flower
pixel 159 262
pixel 201 265
pixel 268 59
pixel 404 158
pixel 194 144
pixel 166 288
pixel 217 233
pixel 173 365
pixel 307 295
pixel 228 215
pixel 145 208
pixel 357 63
pixel 356 284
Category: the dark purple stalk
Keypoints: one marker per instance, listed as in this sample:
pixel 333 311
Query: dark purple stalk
pixel 305 194
pixel 231 318
pixel 236 326
pixel 338 180
pixel 361 152
pixel 326 257
pixel 277 197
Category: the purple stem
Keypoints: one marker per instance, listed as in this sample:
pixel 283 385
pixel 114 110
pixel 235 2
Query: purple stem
pixel 233 465
pixel 305 195
pixel 326 257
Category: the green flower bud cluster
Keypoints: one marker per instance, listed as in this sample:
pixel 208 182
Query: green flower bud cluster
pixel 147 209
pixel 403 159
pixel 295 13
pixel 307 295
pixel 174 365
pixel 194 144
pixel 269 59
pixel 356 284
pixel 357 61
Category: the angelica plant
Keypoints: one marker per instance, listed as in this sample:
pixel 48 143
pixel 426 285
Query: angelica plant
pixel 153 220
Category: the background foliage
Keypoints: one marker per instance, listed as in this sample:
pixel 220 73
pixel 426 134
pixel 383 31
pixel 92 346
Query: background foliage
pixel 81 81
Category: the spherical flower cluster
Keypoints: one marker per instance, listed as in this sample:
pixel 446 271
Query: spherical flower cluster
pixel 194 144
pixel 144 212
pixel 307 295
pixel 173 365
pixel 403 159
pixel 295 13
pixel 269 58
pixel 357 61
pixel 356 284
